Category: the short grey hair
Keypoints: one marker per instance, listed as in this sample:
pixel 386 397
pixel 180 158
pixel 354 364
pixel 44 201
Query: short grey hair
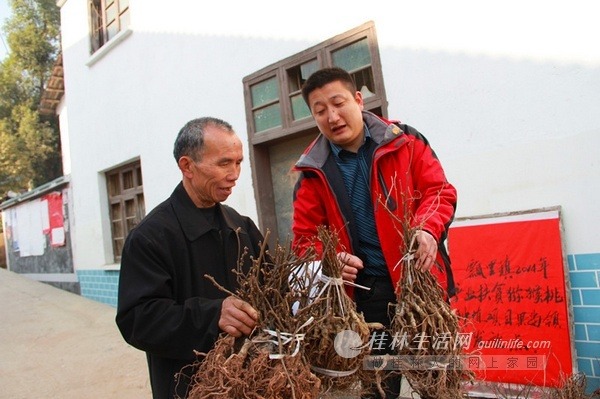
pixel 190 140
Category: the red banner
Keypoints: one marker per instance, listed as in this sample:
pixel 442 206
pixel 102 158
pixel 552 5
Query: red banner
pixel 56 219
pixel 510 274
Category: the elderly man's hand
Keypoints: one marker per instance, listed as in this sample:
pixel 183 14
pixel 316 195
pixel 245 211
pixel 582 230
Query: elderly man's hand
pixel 237 317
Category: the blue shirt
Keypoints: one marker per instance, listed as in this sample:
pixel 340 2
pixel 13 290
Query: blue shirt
pixel 355 170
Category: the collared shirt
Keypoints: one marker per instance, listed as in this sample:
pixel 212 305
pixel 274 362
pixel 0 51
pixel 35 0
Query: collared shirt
pixel 355 169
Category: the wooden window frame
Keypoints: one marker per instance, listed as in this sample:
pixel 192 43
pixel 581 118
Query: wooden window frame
pixel 259 142
pixel 134 193
pixel 99 31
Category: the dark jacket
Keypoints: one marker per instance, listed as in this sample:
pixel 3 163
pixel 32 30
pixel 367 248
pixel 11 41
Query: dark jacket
pixel 167 307
pixel 406 179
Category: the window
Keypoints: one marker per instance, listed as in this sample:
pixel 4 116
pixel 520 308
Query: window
pixel 107 18
pixel 279 122
pixel 126 203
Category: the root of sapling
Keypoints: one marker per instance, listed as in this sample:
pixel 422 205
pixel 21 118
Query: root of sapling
pixel 335 312
pixel 269 363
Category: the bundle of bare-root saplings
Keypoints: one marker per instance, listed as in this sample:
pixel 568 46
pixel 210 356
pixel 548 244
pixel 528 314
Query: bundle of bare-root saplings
pixel 302 306
pixel 427 330
pixel 337 345
pixel 269 363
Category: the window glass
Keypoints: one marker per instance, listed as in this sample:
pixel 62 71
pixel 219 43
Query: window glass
pixel 352 57
pixel 299 108
pixel 296 76
pixel 124 19
pixel 107 20
pixel 365 82
pixel 267 118
pixel 308 68
pixel 112 30
pixel 265 92
pixel 111 13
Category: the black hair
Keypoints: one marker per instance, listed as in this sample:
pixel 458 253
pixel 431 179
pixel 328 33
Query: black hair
pixel 324 76
pixel 190 139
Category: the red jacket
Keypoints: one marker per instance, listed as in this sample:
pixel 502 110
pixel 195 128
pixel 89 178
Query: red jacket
pixel 405 174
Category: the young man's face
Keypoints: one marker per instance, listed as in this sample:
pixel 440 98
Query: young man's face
pixel 338 113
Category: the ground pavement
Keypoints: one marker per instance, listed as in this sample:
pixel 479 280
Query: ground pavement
pixel 55 344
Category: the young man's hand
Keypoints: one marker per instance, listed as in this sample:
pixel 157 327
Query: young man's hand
pixel 351 265
pixel 426 251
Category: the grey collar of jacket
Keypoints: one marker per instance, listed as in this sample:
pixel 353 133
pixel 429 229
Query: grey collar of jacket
pixel 381 131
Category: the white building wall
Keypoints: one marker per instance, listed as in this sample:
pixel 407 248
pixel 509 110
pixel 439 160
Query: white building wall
pixel 63 121
pixel 507 93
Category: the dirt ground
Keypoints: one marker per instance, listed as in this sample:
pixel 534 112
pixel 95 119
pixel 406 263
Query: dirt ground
pixel 55 344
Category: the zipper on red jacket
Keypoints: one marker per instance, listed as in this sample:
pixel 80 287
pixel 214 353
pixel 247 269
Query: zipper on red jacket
pixel 390 203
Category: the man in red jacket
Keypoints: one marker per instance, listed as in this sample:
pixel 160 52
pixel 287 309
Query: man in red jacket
pixel 363 176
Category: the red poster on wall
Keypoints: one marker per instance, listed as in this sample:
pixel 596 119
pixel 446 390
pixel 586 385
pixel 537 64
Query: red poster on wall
pixel 510 274
pixel 55 209
pixel 55 219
